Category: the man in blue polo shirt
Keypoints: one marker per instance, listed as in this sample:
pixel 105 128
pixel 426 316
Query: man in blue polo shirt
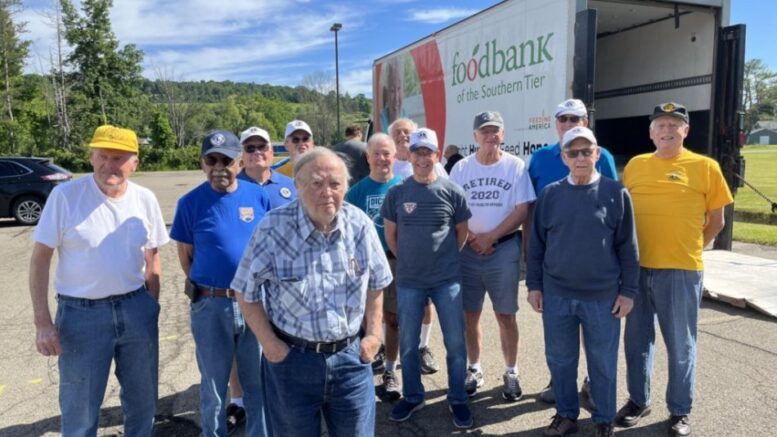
pixel 257 167
pixel 212 226
pixel 546 167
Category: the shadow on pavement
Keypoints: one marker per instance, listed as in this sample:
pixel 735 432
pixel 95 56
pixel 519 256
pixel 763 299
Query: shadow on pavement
pixel 176 416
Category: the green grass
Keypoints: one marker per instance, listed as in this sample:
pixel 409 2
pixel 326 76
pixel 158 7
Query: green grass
pixel 760 171
pixel 755 233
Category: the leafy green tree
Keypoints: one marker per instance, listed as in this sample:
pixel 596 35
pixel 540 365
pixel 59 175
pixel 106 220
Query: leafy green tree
pixel 13 51
pixel 760 93
pixel 162 135
pixel 106 79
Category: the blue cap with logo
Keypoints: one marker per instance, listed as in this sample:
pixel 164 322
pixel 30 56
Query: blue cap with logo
pixel 221 141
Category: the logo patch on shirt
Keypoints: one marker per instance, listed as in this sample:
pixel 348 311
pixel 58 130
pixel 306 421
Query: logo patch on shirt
pixel 285 193
pixel 675 176
pixel 246 214
pixel 409 207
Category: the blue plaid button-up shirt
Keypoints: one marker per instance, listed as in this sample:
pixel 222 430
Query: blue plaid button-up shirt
pixel 313 286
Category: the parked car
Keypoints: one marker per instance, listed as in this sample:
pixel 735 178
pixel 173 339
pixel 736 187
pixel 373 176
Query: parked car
pixel 25 184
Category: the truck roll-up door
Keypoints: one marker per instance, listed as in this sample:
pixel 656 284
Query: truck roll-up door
pixel 584 62
pixel 727 113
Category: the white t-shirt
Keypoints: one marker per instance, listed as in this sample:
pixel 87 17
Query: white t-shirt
pixel 494 190
pixel 404 169
pixel 100 240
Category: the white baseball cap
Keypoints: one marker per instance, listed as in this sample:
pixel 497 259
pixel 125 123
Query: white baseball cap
pixel 423 137
pixel 296 125
pixel 575 133
pixel 254 131
pixel 571 107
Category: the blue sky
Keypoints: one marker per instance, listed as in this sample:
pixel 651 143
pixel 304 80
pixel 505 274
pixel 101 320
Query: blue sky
pixel 279 42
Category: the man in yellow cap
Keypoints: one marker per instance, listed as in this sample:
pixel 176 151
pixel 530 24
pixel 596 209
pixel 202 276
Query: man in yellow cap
pixel 107 231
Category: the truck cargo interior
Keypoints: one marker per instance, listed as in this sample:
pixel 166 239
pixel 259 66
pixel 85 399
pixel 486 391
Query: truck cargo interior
pixel 646 53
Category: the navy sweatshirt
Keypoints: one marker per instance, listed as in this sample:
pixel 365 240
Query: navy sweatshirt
pixel 583 242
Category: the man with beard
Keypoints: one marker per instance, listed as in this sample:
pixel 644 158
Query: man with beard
pixel 212 225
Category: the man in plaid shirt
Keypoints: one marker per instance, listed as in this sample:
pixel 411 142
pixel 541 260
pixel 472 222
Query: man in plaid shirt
pixel 311 272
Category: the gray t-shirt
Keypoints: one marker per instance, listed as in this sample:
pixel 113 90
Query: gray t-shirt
pixel 426 216
pixel 354 153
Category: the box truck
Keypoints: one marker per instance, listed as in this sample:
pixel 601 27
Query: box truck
pixel 620 57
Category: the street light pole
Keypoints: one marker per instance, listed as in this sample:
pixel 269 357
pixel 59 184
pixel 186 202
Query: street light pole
pixel 335 28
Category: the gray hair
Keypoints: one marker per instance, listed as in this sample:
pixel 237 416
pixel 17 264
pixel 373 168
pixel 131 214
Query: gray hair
pixel 315 154
pixel 653 122
pixel 414 125
pixel 378 138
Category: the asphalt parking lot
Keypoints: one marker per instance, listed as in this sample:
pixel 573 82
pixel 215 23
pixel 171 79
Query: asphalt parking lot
pixel 736 391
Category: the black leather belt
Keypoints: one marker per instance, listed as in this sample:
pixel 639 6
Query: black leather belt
pixel 216 292
pixel 504 238
pixel 320 347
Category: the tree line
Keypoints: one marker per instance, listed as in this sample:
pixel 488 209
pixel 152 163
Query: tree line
pixel 92 79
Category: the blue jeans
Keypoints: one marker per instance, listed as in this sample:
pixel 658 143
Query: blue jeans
pixel 448 301
pixel 307 384
pixel 93 333
pixel 673 297
pixel 562 319
pixel 220 333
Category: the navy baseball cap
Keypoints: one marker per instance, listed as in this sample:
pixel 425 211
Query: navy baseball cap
pixel 221 141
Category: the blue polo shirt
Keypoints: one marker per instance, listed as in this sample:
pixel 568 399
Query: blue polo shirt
pixel 546 166
pixel 218 226
pixel 279 188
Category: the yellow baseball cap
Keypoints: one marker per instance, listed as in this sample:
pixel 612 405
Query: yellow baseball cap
pixel 112 137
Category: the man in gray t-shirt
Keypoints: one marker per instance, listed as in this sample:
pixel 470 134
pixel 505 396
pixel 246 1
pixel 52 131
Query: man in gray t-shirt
pixel 425 225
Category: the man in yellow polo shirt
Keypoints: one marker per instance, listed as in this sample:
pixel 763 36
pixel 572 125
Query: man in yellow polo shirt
pixel 298 140
pixel 679 197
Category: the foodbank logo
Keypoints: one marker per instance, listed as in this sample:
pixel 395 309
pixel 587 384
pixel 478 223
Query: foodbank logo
pixel 495 59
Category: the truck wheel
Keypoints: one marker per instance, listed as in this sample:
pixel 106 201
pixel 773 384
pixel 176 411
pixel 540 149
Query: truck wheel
pixel 27 210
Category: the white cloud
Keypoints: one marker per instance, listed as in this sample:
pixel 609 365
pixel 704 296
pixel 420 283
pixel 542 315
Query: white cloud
pixel 439 15
pixel 357 82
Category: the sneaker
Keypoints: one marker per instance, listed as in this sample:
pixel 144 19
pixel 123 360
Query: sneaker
pixel 462 418
pixel 473 381
pixel 546 395
pixel 679 426
pixel 585 394
pixel 630 414
pixel 560 426
pixel 404 409
pixel 428 363
pixel 511 391
pixel 379 362
pixel 391 385
pixel 236 416
pixel 604 430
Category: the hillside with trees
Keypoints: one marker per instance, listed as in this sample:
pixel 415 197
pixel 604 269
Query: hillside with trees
pixel 93 79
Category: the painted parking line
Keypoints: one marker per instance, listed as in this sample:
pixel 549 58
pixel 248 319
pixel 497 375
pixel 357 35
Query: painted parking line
pixel 2 389
pixel 35 381
pixel 168 338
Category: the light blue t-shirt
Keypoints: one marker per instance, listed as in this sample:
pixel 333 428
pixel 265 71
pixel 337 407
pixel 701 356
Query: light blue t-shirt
pixel 546 166
pixel 218 226
pixel 279 188
pixel 368 195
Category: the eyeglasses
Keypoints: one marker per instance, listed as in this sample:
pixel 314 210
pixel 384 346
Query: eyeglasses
pixel 297 140
pixel 252 148
pixel 575 153
pixel 566 118
pixel 212 160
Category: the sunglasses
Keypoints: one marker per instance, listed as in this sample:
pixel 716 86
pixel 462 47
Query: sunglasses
pixel 566 118
pixel 212 160
pixel 575 153
pixel 253 149
pixel 297 140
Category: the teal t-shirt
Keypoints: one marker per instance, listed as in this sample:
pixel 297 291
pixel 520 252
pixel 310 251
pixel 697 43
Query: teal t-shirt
pixel 368 195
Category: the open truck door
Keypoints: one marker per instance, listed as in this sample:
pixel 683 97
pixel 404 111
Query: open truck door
pixel 728 117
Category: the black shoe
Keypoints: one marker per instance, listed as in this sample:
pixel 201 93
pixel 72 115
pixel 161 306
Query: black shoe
pixel 428 363
pixel 631 414
pixel 679 426
pixel 603 430
pixel 585 394
pixel 560 426
pixel 378 363
pixel 391 386
pixel 546 395
pixel 236 416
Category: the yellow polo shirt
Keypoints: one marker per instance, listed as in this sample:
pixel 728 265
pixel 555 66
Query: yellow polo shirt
pixel 671 198
pixel 286 169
